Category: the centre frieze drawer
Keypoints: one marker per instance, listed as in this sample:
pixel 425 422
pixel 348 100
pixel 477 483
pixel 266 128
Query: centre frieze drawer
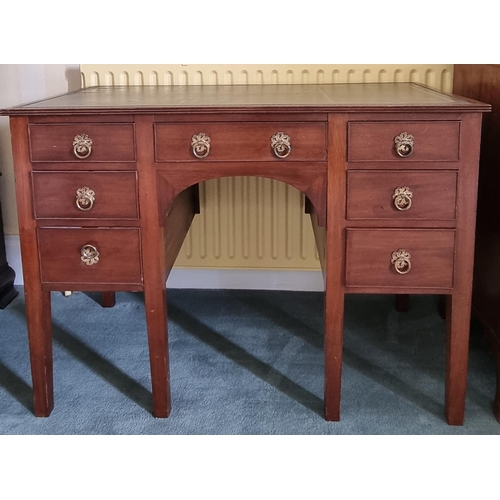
pixel 401 195
pixel 85 195
pixel 413 258
pixel 266 141
pixel 90 256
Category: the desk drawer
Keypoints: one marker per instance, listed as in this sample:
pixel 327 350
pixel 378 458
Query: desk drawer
pixel 431 141
pixel 89 195
pixel 239 141
pixel 82 142
pixel 117 251
pixel 401 195
pixel 372 256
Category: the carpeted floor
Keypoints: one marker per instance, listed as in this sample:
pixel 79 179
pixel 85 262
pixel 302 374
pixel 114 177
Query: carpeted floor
pixel 242 362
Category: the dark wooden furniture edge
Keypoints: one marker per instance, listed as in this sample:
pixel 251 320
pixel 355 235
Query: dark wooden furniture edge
pixel 482 81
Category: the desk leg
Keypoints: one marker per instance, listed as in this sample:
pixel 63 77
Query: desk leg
pixel 108 299
pixel 38 316
pixel 457 351
pixel 334 264
pixel 156 318
pixel 330 260
pixel 402 302
pixel 334 327
pixel 155 301
pixel 153 267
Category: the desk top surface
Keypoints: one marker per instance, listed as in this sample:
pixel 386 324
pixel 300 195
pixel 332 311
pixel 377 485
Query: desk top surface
pixel 249 98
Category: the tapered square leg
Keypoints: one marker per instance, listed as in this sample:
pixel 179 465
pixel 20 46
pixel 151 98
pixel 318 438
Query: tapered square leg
pixel 334 264
pixel 153 267
pixel 457 351
pixel 38 314
pixel 156 318
pixel 334 326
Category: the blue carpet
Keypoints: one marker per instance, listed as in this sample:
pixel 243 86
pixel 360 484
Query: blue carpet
pixel 242 362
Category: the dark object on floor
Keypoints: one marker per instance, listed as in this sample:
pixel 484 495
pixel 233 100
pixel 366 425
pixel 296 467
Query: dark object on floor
pixel 7 274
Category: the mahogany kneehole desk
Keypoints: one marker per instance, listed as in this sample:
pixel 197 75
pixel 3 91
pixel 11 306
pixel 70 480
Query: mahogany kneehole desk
pixel 106 179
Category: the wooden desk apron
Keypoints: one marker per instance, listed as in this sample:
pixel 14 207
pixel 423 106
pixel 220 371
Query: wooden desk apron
pixel 106 179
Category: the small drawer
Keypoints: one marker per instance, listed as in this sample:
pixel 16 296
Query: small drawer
pixel 392 258
pixel 240 142
pixel 88 195
pixel 82 142
pixel 402 194
pixel 90 256
pixel 416 141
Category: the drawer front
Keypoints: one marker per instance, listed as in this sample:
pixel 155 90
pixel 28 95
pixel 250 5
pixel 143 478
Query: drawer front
pixel 402 194
pixel 103 143
pixel 61 251
pixel 371 260
pixel 375 141
pixel 240 141
pixel 89 195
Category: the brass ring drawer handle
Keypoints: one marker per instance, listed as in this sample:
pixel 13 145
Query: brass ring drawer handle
pixel 90 255
pixel 402 198
pixel 404 143
pixel 201 145
pixel 85 198
pixel 82 146
pixel 280 143
pixel 401 261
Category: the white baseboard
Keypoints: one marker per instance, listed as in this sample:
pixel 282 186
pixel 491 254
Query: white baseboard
pixel 246 279
pixel 235 279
